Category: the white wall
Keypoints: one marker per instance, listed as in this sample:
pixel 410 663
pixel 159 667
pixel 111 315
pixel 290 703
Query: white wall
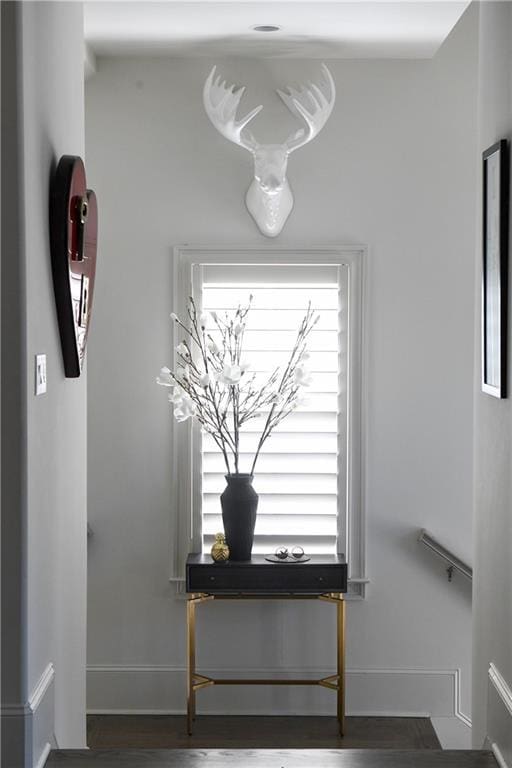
pixel 394 168
pixel 51 498
pixel 493 430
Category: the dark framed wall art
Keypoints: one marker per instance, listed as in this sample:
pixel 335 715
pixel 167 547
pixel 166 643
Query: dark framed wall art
pixel 495 269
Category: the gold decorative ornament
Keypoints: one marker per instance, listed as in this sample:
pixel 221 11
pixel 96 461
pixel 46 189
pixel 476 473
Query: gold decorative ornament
pixel 220 550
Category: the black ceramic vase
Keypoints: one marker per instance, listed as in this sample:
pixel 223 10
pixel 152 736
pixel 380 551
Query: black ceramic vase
pixel 239 504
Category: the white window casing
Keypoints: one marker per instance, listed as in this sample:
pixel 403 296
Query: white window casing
pixel 309 475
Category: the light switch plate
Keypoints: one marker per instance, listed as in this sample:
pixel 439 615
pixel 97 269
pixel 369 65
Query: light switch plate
pixel 40 374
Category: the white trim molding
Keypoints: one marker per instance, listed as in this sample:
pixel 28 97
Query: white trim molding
pixel 144 689
pixel 35 697
pixel 499 757
pixel 501 685
pixel 187 263
pixel 454 730
pixel 36 718
pixel 42 706
pixel 41 687
pixel 44 755
pixel 499 714
pixel 457 694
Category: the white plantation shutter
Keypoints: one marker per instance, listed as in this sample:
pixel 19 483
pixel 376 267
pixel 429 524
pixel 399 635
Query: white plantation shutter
pixel 301 474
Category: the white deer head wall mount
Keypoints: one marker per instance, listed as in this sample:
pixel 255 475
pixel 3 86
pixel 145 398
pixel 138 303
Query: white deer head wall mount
pixel 269 197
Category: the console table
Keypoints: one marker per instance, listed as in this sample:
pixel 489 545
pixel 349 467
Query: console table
pixel 321 578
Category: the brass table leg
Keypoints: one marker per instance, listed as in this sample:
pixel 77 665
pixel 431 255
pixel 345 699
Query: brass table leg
pixel 341 664
pixel 191 663
pixel 196 681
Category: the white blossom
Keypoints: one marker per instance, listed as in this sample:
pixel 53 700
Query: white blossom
pixel 205 380
pixel 164 377
pixel 176 396
pixel 302 376
pixel 184 409
pixel 230 375
pixel 211 384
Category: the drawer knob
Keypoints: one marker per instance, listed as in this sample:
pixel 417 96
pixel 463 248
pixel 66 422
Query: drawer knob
pixel 212 578
pixel 320 578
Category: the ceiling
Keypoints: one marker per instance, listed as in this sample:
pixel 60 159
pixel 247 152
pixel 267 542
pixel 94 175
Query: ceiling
pixel 332 29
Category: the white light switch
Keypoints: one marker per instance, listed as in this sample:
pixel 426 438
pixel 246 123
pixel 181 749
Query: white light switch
pixel 40 374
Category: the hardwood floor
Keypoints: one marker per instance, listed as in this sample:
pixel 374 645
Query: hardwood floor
pixel 192 758
pixel 216 732
pixel 129 741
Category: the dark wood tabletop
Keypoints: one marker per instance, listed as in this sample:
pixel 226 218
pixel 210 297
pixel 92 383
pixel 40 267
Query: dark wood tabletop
pixel 320 574
pixel 200 558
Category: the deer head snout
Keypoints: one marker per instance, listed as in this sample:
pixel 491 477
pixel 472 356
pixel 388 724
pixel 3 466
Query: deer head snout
pixel 270 164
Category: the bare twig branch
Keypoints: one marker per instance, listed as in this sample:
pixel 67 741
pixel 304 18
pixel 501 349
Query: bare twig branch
pixel 219 392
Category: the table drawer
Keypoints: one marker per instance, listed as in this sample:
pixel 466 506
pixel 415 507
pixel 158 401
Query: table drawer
pixel 230 578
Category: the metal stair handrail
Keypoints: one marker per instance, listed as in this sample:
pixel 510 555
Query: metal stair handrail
pixel 454 562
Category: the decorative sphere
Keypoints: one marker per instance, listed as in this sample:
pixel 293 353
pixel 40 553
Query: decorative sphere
pixel 281 553
pixel 297 552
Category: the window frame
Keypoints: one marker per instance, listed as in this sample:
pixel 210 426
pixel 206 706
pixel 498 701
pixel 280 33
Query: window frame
pixel 186 464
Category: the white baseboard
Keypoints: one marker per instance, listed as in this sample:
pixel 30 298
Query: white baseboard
pixel 499 757
pixel 43 757
pixel 499 717
pixel 32 724
pixel 41 703
pixel 370 692
pixel 452 732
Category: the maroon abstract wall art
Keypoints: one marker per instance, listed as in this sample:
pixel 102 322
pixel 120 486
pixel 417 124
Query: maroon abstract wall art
pixel 73 242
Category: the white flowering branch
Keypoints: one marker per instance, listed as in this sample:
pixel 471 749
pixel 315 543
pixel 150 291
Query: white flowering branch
pixel 212 383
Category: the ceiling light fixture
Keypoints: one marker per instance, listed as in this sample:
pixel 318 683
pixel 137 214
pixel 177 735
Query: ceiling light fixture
pixel 266 28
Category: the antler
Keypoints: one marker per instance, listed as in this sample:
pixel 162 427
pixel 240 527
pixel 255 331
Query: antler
pixel 312 105
pixel 221 103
